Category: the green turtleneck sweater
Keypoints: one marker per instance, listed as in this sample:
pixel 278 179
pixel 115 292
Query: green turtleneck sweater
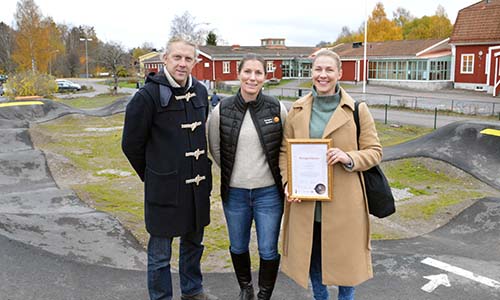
pixel 322 110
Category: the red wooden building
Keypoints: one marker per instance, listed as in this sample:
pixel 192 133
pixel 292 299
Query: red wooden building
pixel 220 63
pixel 476 47
pixel 416 64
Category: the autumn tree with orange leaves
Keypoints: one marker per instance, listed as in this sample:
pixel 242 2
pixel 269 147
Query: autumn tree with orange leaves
pixel 403 26
pixel 32 37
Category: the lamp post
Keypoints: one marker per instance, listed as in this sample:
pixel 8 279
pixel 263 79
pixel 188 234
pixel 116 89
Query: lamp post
pixel 52 53
pixel 364 51
pixel 86 55
pixel 300 68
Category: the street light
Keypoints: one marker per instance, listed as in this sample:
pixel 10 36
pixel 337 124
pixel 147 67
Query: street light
pixel 52 53
pixel 86 55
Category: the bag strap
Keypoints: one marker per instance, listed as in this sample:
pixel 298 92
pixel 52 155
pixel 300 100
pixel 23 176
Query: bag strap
pixel 358 131
pixel 356 120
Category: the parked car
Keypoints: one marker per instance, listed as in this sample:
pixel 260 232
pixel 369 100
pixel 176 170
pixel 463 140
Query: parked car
pixel 1 90
pixel 66 85
pixel 273 81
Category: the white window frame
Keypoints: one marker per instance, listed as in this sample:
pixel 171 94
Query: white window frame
pixel 269 66
pixel 226 67
pixel 465 58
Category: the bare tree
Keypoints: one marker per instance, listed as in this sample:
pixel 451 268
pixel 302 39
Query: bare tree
pixel 6 47
pixel 402 16
pixel 113 57
pixel 185 26
pixel 441 12
pixel 322 44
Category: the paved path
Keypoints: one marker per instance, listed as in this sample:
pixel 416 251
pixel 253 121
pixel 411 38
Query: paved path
pixel 35 211
pixel 99 88
pixel 460 101
pixel 54 247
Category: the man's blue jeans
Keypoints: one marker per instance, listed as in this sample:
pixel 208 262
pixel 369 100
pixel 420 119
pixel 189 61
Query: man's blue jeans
pixel 159 276
pixel 320 290
pixel 265 206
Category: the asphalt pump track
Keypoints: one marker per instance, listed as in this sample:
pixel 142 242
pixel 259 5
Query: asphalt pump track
pixel 53 246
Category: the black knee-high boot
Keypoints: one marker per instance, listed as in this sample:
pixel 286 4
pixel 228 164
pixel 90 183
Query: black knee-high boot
pixel 243 270
pixel 268 273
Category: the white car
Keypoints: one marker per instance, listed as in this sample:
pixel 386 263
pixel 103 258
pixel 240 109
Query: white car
pixel 65 85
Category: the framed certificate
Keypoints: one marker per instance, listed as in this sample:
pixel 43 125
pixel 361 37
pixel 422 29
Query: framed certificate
pixel 309 176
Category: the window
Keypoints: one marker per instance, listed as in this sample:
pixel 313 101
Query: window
pixel 372 69
pixel 270 66
pixel 467 64
pixel 226 67
pixel 398 70
pixel 440 70
pixel 417 70
pixel 286 68
pixel 401 70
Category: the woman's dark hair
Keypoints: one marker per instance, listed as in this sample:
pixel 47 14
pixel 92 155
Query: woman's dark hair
pixel 252 56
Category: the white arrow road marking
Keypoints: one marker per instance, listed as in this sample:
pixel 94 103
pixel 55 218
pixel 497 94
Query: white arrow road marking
pixel 435 281
pixel 459 271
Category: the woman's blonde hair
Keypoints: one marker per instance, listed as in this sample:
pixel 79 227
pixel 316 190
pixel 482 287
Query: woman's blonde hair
pixel 329 53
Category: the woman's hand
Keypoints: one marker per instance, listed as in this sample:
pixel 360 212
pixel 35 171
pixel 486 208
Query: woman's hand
pixel 335 155
pixel 296 200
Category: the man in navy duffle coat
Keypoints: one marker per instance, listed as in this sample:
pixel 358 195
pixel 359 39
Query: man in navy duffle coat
pixel 165 142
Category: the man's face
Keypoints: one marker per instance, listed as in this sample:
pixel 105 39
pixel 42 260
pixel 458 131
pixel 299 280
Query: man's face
pixel 180 61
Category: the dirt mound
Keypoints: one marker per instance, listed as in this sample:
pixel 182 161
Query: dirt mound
pixel 460 144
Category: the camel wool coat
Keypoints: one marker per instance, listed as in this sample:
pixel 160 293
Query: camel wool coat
pixel 345 225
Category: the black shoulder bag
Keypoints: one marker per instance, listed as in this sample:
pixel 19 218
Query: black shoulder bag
pixel 378 191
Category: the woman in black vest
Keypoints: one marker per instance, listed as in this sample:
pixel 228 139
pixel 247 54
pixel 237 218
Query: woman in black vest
pixel 245 133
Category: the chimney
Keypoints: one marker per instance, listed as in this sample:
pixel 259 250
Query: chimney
pixel 235 47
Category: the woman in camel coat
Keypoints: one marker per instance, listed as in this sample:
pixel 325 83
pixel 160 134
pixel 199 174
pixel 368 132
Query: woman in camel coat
pixel 330 242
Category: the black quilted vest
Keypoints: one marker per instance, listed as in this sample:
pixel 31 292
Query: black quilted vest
pixel 265 112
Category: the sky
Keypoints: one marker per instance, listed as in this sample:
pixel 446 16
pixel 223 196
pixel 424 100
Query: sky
pixel 243 23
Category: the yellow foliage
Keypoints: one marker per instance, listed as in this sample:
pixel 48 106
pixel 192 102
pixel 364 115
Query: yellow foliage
pixel 37 40
pixel 380 28
pixel 30 83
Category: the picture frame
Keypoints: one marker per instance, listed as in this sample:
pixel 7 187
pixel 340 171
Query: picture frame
pixel 309 175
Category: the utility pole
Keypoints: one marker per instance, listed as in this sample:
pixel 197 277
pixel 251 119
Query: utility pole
pixel 364 51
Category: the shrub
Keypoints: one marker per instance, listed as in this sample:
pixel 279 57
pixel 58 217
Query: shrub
pixel 30 83
pixel 121 72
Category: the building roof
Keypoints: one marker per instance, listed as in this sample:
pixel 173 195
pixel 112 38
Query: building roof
pixel 154 59
pixel 403 49
pixel 148 55
pixel 237 52
pixel 478 23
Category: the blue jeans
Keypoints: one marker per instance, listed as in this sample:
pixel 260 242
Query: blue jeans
pixel 265 206
pixel 320 290
pixel 159 276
